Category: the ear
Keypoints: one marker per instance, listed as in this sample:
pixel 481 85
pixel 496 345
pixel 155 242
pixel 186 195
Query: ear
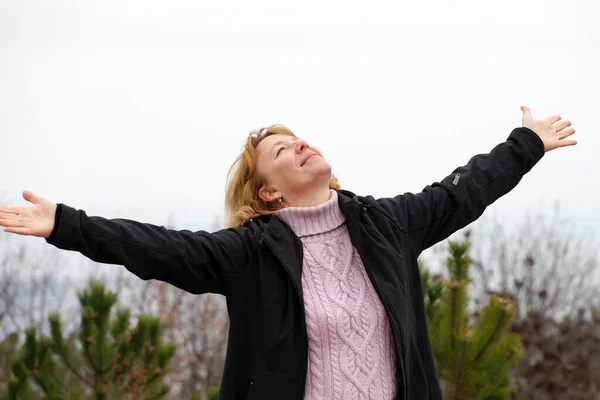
pixel 268 194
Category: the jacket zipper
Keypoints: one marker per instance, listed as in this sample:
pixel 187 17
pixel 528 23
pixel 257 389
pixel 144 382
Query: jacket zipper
pixel 297 289
pixel 427 360
pixel 387 306
pixel 430 369
pixel 249 397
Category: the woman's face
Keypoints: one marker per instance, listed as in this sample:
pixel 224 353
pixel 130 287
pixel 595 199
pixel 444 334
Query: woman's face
pixel 291 167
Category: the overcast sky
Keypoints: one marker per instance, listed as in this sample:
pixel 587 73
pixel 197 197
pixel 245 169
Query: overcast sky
pixel 137 108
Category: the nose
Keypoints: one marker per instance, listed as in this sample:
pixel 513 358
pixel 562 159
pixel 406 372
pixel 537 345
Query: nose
pixel 301 145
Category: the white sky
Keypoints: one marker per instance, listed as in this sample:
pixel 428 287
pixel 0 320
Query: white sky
pixel 137 108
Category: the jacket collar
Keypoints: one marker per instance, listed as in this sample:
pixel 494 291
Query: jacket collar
pixel 282 235
pixel 287 247
pixel 349 204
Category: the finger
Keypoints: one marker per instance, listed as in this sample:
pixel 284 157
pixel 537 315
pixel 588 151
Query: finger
pixel 554 118
pixel 559 126
pixel 19 231
pixel 566 133
pixel 526 111
pixel 8 216
pixel 32 197
pixel 13 223
pixel 11 210
pixel 565 143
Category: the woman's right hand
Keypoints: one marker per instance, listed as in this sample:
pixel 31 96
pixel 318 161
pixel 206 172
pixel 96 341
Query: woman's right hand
pixel 32 221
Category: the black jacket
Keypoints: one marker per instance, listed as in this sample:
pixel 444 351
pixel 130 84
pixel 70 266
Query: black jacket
pixel 258 268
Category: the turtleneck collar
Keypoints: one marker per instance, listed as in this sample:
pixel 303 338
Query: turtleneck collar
pixel 306 221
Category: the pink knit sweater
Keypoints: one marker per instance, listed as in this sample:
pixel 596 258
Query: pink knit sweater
pixel 350 344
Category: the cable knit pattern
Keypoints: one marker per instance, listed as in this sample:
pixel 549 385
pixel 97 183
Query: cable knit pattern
pixel 350 347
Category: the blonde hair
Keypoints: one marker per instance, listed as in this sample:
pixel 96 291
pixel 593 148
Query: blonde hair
pixel 242 201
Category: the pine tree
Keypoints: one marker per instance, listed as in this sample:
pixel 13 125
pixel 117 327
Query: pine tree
pixel 106 359
pixel 213 394
pixel 473 358
pixel 8 346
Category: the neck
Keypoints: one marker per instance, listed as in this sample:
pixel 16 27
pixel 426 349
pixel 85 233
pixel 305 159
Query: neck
pixel 310 198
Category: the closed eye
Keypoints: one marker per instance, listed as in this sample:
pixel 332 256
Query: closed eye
pixel 279 151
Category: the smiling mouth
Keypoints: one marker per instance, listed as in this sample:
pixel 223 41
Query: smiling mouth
pixel 306 159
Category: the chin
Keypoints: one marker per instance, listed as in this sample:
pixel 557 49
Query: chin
pixel 322 166
pixel 324 173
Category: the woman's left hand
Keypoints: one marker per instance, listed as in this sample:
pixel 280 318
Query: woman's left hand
pixel 552 130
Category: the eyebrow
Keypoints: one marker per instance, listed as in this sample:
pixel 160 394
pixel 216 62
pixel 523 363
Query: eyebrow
pixel 282 142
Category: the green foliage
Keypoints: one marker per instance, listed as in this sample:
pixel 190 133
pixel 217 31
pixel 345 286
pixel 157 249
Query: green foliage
pixel 473 359
pixel 105 359
pixel 213 394
pixel 8 347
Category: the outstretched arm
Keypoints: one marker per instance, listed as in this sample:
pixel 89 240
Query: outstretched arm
pixel 459 199
pixel 192 261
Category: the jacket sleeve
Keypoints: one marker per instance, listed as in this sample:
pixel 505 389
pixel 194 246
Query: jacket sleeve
pixel 192 261
pixel 444 207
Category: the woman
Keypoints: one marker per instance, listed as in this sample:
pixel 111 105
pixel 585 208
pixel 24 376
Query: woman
pixel 322 285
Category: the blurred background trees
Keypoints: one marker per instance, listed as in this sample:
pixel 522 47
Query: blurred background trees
pixel 474 353
pixel 536 284
pixel 105 358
